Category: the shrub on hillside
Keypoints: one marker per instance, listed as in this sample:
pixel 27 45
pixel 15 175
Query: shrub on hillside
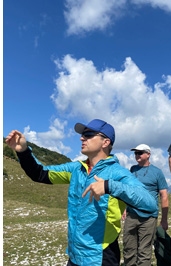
pixel 7 151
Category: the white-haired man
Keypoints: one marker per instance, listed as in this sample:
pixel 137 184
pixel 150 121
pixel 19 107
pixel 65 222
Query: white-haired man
pixel 140 227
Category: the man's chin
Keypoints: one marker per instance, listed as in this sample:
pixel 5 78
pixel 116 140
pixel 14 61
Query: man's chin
pixel 83 152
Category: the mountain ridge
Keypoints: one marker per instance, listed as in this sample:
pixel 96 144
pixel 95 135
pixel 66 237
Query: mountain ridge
pixel 44 155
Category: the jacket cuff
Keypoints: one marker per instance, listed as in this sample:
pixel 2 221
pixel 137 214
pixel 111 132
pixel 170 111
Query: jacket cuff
pixel 24 153
pixel 106 186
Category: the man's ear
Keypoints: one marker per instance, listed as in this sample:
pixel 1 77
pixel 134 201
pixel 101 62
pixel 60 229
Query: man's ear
pixel 106 142
pixel 149 155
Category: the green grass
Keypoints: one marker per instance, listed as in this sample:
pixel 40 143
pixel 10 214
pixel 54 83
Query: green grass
pixel 35 220
pixel 18 187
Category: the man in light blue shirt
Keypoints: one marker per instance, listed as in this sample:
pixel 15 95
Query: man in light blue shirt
pixel 140 227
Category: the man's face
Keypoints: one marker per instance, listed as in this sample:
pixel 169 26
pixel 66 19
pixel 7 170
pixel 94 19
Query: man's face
pixel 92 142
pixel 142 156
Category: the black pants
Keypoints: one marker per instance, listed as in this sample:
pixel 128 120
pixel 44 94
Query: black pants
pixel 111 255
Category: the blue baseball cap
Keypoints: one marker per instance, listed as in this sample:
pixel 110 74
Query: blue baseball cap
pixel 98 126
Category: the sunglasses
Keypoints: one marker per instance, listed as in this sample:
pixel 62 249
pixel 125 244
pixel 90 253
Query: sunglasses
pixel 139 152
pixel 91 134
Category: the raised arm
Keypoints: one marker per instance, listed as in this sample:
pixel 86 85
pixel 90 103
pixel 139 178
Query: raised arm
pixel 17 141
pixel 49 174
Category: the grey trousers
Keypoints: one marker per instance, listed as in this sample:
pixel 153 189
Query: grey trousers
pixel 138 239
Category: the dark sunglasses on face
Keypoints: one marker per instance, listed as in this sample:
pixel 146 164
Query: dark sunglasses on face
pixel 91 134
pixel 139 152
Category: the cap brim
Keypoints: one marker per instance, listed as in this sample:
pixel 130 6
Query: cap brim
pixel 146 150
pixel 79 128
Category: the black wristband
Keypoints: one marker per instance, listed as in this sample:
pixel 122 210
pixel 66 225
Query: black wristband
pixel 106 186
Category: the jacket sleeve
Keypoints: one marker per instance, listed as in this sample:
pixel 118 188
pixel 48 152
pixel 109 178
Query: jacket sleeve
pixel 59 174
pixel 128 188
pixel 136 196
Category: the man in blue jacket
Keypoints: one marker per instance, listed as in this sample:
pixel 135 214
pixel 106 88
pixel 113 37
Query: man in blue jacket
pixel 94 223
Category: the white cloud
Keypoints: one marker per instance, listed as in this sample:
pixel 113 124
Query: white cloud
pixel 139 113
pixel 163 4
pixel 51 139
pixel 168 181
pixel 167 83
pixel 89 15
pixel 158 159
pixel 80 157
pixel 126 161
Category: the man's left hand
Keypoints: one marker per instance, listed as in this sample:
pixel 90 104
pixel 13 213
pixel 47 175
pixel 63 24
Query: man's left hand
pixel 96 189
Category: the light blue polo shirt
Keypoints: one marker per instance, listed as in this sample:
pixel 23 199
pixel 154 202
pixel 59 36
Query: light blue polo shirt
pixel 153 178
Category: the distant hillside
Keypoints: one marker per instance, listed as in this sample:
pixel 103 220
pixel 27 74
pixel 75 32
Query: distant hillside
pixel 44 155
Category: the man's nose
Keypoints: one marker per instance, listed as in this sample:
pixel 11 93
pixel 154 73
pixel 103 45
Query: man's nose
pixel 82 138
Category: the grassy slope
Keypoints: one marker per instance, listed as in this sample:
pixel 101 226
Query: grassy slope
pixel 35 220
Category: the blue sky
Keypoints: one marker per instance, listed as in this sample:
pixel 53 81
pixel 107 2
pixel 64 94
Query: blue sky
pixel 73 61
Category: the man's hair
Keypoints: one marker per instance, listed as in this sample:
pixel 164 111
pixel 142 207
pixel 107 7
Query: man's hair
pixel 110 148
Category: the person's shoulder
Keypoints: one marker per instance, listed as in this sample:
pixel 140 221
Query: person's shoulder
pixel 134 168
pixel 73 164
pixel 153 167
pixel 156 170
pixel 113 158
pixel 77 163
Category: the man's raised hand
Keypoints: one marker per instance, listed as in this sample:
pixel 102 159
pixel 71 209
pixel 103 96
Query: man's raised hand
pixel 16 141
